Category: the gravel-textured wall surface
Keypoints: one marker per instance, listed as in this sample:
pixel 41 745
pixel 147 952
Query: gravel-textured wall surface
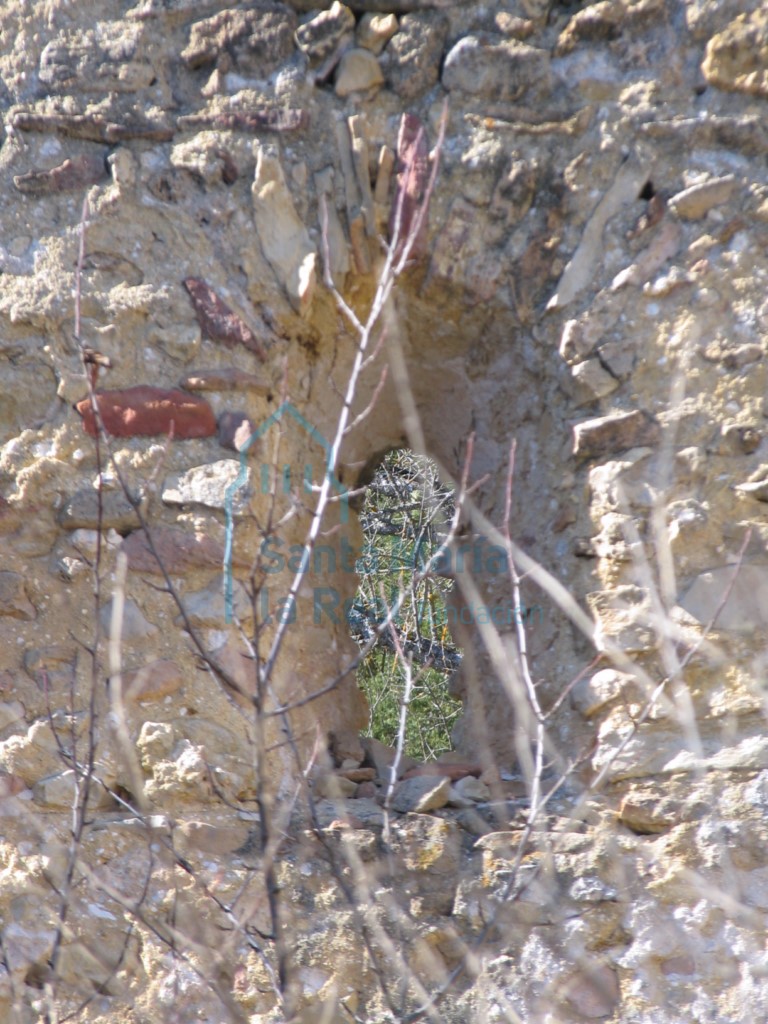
pixel 592 284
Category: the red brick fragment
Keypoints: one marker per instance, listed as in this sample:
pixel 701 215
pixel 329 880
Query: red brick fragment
pixel 284 119
pixel 341 824
pixel 358 774
pixel 76 173
pixel 92 127
pixel 145 411
pixel 412 179
pixel 217 321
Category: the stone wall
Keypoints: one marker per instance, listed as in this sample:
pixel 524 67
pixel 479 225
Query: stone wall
pixel 591 284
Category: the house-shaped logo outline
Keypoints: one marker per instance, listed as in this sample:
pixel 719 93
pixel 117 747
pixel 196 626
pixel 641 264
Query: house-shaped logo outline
pixel 242 477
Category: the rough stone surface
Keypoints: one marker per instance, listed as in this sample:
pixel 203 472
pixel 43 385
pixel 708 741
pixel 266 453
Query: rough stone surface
pixel 207 607
pixel 345 746
pixel 375 30
pixel 738 596
pixel 358 71
pixel 614 433
pixel 737 57
pixel 283 235
pixel 59 791
pixel 102 60
pixel 427 850
pixel 486 66
pixel 593 262
pixel 422 793
pixel 209 485
pixel 132 623
pixel 320 36
pixel 333 787
pixel 593 380
pixel 591 694
pixel 86 170
pixel 698 200
pixel 88 509
pixel 412 57
pixel 13 598
pixel 178 551
pixel 255 42
pixel 472 788
pixel 152 682
pixel 383 757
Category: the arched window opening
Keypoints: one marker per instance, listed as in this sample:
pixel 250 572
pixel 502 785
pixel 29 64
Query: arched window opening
pixel 406 517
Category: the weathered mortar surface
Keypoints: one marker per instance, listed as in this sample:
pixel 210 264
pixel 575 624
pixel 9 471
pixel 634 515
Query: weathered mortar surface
pixel 619 339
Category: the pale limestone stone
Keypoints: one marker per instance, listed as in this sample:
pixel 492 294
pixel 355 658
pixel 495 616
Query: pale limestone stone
pixel 156 741
pixel 455 799
pixel 333 787
pixel 577 274
pixel 593 380
pixel 35 753
pixel 648 812
pixel 472 788
pixel 375 30
pixel 383 757
pixel 358 71
pixel 215 163
pixel 577 341
pixel 605 435
pixel 737 58
pixel 366 811
pixel 489 67
pixel 650 260
pixel 591 694
pixel 336 239
pixel 696 201
pixel 203 837
pixel 11 713
pixel 60 791
pixel 184 776
pixel 320 35
pixel 421 793
pixel 347 748
pixel 492 361
pixel 282 234
pixel 214 485
pixel 742 592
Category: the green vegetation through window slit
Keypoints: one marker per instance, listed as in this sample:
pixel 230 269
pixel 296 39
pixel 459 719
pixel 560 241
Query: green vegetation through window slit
pixel 405 518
